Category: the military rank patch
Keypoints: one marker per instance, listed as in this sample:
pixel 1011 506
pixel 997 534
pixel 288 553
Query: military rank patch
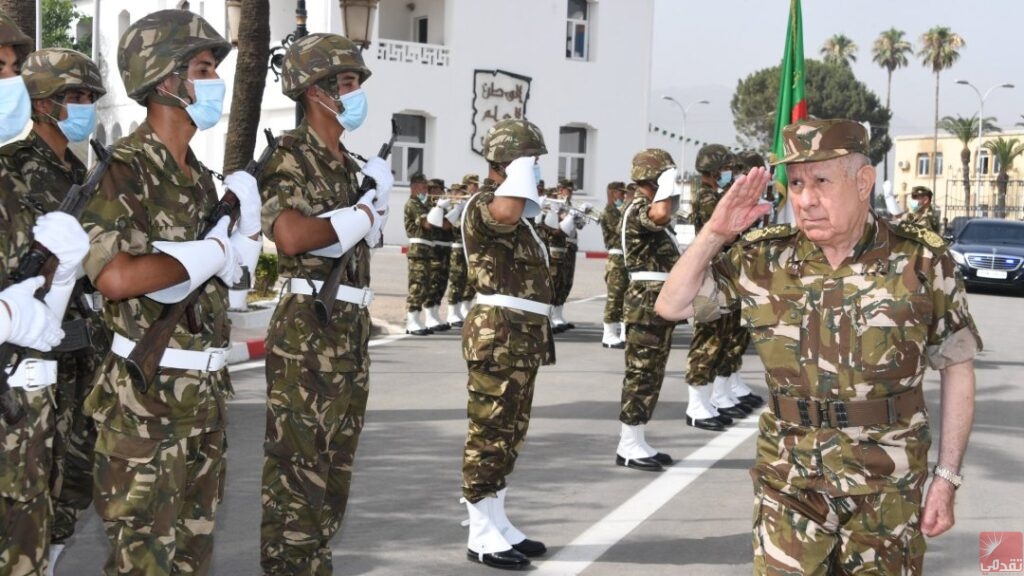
pixel 776 231
pixel 921 234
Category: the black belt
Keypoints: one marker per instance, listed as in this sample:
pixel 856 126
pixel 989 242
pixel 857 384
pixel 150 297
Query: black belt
pixel 846 413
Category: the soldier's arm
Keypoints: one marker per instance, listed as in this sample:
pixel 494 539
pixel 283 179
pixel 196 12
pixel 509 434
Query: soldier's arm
pixel 129 276
pixel 660 212
pixel 507 209
pixel 296 233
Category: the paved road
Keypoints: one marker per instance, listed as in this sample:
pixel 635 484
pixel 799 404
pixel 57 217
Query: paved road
pixel 597 519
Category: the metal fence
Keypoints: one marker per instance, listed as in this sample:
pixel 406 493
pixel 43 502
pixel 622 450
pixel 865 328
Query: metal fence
pixel 985 201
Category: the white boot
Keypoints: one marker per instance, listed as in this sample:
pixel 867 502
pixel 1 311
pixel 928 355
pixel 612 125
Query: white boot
pixel 622 331
pixel 510 532
pixel 634 452
pixel 484 535
pixel 464 307
pixel 55 552
pixel 433 319
pixel 453 318
pixel 557 322
pixel 738 387
pixel 699 406
pixel 611 337
pixel 721 393
pixel 414 326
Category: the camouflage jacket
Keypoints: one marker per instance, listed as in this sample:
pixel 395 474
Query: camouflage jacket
pixel 145 197
pixel 415 215
pixel 303 175
pixel 438 234
pixel 704 205
pixel 505 259
pixel 611 227
pixel 648 247
pixel 862 331
pixel 926 216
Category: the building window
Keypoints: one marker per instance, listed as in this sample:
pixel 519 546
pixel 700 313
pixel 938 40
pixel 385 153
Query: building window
pixel 419 30
pixel 923 165
pixel 577 30
pixel 407 154
pixel 983 162
pixel 938 164
pixel 572 154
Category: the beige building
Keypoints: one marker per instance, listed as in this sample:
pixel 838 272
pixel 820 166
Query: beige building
pixel 915 165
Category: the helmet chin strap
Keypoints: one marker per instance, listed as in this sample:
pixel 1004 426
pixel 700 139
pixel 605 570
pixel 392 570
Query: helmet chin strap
pixel 162 96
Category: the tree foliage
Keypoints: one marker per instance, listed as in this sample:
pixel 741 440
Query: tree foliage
pixel 58 18
pixel 839 49
pixel 831 92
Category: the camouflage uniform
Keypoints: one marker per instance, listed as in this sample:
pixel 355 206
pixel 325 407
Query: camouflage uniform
pixel 503 347
pixel 704 359
pixel 615 277
pixel 419 254
pixel 441 254
pixel 557 248
pixel 926 217
pixel 831 496
pixel 459 288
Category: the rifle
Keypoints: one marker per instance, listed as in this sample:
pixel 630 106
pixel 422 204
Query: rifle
pixel 39 260
pixel 144 360
pixel 323 304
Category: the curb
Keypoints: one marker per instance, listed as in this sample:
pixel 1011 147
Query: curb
pixel 256 349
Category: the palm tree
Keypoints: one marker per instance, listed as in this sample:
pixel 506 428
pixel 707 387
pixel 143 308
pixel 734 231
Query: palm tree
pixel 839 49
pixel 939 50
pixel 965 130
pixel 890 52
pixel 250 81
pixel 1005 152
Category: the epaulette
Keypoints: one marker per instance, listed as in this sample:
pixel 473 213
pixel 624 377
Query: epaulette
pixel 769 233
pixel 920 234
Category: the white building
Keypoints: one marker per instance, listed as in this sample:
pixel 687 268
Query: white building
pixel 579 69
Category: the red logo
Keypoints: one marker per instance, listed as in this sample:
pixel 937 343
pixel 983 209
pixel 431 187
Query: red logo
pixel 1001 552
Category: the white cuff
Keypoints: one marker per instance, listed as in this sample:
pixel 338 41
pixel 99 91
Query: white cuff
pixel 351 225
pixel 195 256
pixel 248 251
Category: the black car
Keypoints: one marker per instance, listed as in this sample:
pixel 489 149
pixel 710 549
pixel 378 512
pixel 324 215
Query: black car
pixel 990 252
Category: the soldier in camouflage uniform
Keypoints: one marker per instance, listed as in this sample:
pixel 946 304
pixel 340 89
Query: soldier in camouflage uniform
pixel 557 247
pixel 615 277
pixel 440 233
pixel 159 457
pixel 505 339
pixel 922 212
pixel 418 255
pixel 569 225
pixel 650 250
pixel 317 374
pixel 26 451
pixel 845 310
pixel 460 293
pixel 38 171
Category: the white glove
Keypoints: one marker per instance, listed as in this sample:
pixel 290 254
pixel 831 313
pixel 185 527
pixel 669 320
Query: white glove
pixel 444 203
pixel 244 186
pixel 378 169
pixel 374 236
pixel 25 321
pixel 435 217
pixel 454 214
pixel 382 201
pixel 586 207
pixel 551 218
pixel 231 270
pixel 64 237
pixel 568 225
pixel 520 182
pixel 891 204
pixel 367 198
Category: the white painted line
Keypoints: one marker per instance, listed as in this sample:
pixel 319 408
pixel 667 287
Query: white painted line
pixel 232 368
pixel 591 299
pixel 596 540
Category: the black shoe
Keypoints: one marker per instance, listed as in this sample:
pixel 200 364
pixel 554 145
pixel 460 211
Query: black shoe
pixel 420 332
pixel 618 346
pixel 732 412
pixel 510 559
pixel 725 420
pixel 645 464
pixel 530 548
pixel 456 324
pixel 558 328
pixel 663 459
pixel 569 325
pixel 712 424
pixel 752 400
pixel 439 328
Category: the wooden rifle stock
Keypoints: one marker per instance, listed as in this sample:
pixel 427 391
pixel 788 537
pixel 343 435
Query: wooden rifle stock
pixel 144 360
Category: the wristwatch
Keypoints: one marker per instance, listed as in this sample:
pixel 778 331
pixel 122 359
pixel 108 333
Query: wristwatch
pixel 949 476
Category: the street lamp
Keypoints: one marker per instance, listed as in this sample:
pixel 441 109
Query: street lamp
pixel 981 128
pixel 682 136
pixel 357 15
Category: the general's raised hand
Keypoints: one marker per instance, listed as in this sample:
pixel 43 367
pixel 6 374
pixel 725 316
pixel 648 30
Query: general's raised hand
pixel 741 206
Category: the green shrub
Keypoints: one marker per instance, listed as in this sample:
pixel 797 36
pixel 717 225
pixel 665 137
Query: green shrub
pixel 266 275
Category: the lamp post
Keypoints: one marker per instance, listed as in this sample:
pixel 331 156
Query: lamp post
pixel 981 131
pixel 357 15
pixel 682 136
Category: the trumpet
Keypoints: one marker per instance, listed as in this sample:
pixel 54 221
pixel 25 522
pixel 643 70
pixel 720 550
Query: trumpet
pixel 574 210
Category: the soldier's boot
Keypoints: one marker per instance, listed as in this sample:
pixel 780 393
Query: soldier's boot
pixel 558 324
pixel 486 543
pixel 743 393
pixel 454 319
pixel 724 401
pixel 518 540
pixel 433 320
pixel 413 325
pixel 634 452
pixel 561 314
pixel 622 331
pixel 464 307
pixel 55 551
pixel 611 337
pixel 700 413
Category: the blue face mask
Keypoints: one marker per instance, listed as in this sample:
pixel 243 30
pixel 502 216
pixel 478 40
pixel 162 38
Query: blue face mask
pixel 422 198
pixel 80 123
pixel 724 178
pixel 914 204
pixel 15 107
pixel 209 104
pixel 353 110
pixel 619 203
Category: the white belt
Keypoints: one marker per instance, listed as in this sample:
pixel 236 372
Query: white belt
pixel 648 276
pixel 513 302
pixel 33 374
pixel 421 241
pixel 615 252
pixel 209 360
pixel 442 244
pixel 557 250
pixel 571 240
pixel 456 245
pixel 361 297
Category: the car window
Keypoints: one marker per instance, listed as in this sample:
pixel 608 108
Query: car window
pixel 992 233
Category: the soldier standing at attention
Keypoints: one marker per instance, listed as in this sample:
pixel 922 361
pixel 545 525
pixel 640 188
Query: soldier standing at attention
pixel 615 277
pixel 551 235
pixel 159 458
pixel 845 310
pixel 650 250
pixel 38 170
pixel 440 233
pixel 569 225
pixel 317 374
pixel 457 279
pixel 505 339
pixel 418 255
pixel 34 327
pixel 922 213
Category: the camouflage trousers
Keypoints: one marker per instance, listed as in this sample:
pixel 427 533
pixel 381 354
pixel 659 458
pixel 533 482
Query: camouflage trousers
pixel 500 399
pixel 313 424
pixel 439 269
pixel 734 346
pixel 647 349
pixel 566 273
pixel 616 279
pixel 555 272
pixel 74 439
pixel 809 533
pixel 25 507
pixel 419 284
pixel 459 287
pixel 707 354
pixel 157 499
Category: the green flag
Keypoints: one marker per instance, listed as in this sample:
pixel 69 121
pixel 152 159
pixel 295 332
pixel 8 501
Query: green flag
pixel 791 106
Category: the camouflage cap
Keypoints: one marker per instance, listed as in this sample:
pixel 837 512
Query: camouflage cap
pixel 316 57
pixel 417 177
pixel 920 191
pixel 435 183
pixel 617 185
pixel 470 179
pixel 457 187
pixel 650 163
pixel 817 140
pixel 566 183
pixel 50 71
pixel 11 35
pixel 713 157
pixel 160 43
pixel 631 188
pixel 748 159
pixel 510 139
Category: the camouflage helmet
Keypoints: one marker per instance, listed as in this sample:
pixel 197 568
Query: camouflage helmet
pixel 11 35
pixel 160 43
pixel 51 71
pixel 511 139
pixel 315 57
pixel 713 157
pixel 650 163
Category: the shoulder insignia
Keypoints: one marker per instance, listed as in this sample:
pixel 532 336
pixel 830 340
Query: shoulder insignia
pixel 920 234
pixel 776 231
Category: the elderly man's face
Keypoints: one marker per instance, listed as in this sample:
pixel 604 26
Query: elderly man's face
pixel 830 199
